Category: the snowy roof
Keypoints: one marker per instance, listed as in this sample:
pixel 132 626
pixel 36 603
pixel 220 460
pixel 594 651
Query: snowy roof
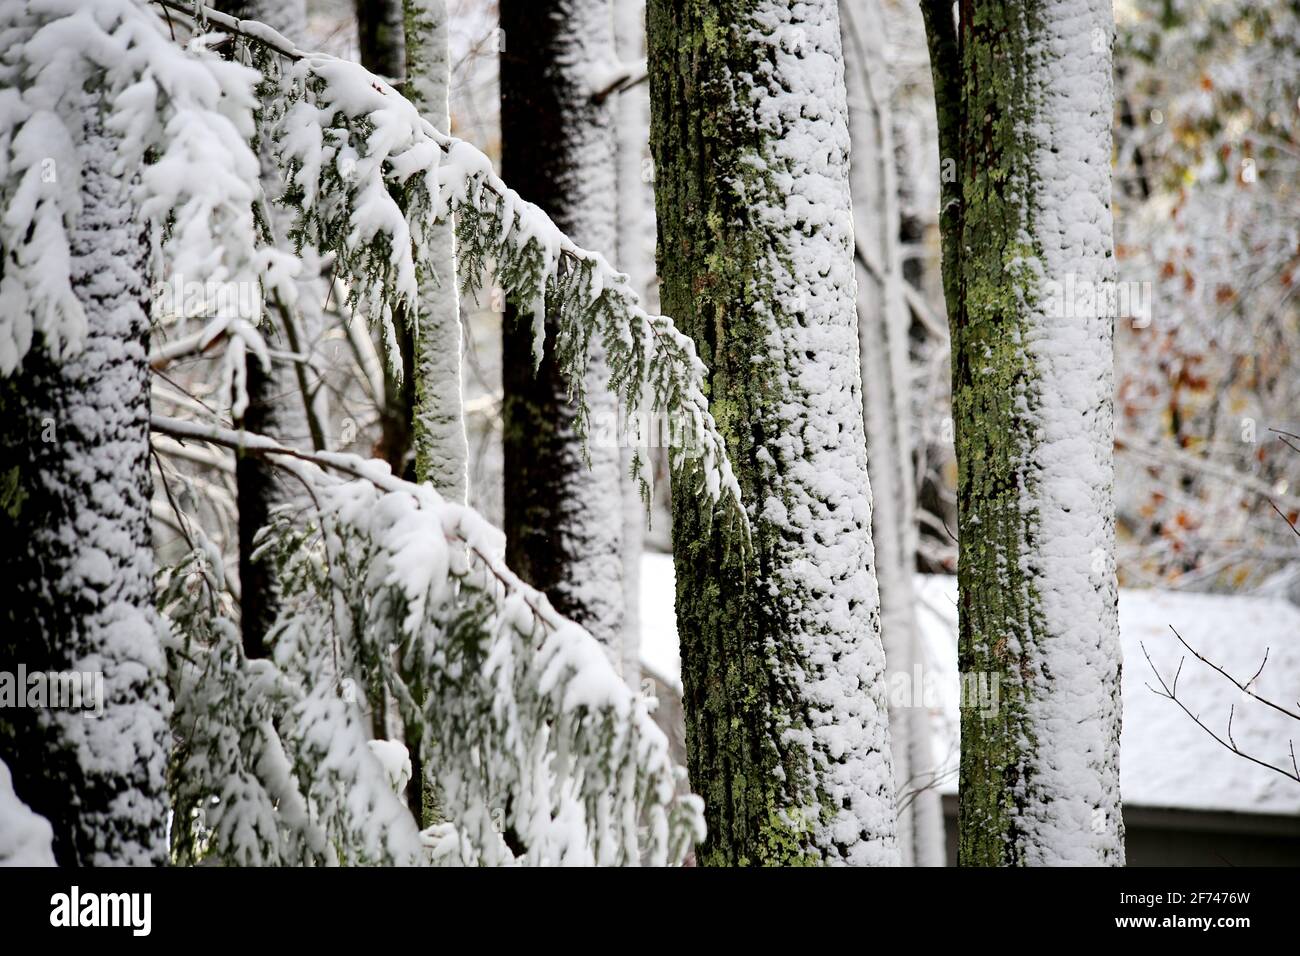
pixel 1166 760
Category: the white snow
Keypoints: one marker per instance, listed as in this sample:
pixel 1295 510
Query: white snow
pixel 25 837
pixel 376 140
pixel 526 720
pixel 1071 649
pixel 817 507
pixel 1165 759
pixel 659 649
pixel 183 118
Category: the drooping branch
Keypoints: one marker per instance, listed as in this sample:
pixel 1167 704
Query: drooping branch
pixel 371 149
pixel 363 469
pixel 518 707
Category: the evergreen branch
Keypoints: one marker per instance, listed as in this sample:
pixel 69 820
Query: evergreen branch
pixel 519 708
pixel 366 173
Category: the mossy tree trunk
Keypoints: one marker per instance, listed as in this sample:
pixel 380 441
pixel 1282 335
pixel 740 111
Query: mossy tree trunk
pixel 782 665
pixel 438 417
pixel 441 446
pixel 1024 102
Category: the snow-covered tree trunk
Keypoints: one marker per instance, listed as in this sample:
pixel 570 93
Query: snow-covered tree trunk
pixel 1024 99
pixel 783 670
pixel 275 404
pixel 636 252
pixel 441 446
pixel 883 332
pixel 563 514
pixel 76 569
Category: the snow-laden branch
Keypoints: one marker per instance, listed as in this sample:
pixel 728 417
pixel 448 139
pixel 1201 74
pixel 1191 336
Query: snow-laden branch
pixel 182 119
pixel 367 174
pixel 521 711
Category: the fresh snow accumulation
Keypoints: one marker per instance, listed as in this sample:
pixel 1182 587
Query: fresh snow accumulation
pixel 25 837
pixel 1071 650
pixel 1165 759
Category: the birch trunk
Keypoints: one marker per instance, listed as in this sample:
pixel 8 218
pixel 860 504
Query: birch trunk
pixel 883 332
pixel 636 251
pixel 441 446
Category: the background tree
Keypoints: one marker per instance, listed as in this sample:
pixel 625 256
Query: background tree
pixel 563 512
pixel 441 448
pixel 1207 155
pixel 1024 104
pixel 280 397
pixel 382 47
pixel 782 666
pixel 883 331
pixel 636 257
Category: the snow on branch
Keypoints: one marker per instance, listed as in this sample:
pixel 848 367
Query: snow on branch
pixel 538 750
pixel 26 838
pixel 183 119
pixel 367 175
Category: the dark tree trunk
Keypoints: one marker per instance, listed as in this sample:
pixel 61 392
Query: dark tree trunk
pixel 562 515
pixel 382 44
pixel 274 402
pixel 380 37
pixel 76 566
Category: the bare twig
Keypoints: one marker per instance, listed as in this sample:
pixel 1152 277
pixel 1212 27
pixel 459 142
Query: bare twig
pixel 1171 693
pixel 1244 688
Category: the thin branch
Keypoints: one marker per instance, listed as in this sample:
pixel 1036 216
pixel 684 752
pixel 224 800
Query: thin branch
pixel 1180 458
pixel 290 322
pixel 633 76
pixel 1288 521
pixel 364 470
pixel 1244 688
pixel 1172 695
pixel 194 344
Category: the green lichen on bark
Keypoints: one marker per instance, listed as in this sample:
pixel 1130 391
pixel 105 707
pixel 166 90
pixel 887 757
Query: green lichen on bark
pixel 990 373
pixel 731 610
pixel 989 285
